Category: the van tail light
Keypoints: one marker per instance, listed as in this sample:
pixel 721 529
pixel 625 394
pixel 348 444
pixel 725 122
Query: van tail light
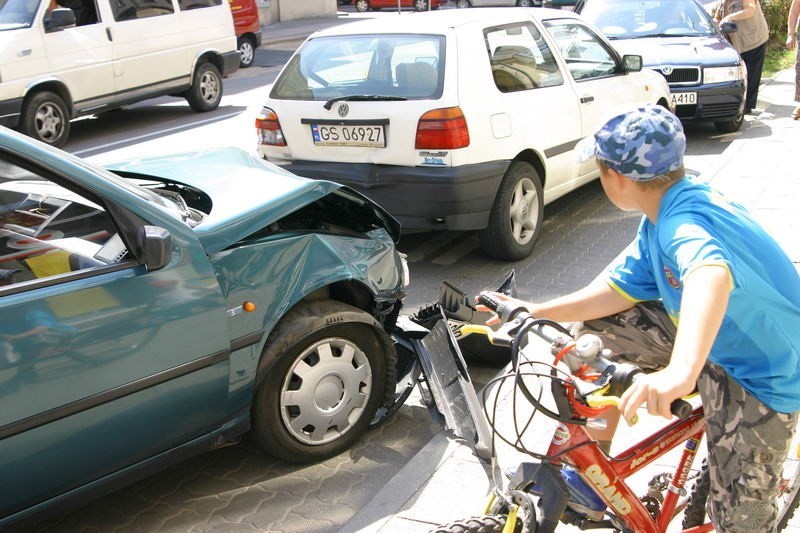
pixel 269 128
pixel 441 129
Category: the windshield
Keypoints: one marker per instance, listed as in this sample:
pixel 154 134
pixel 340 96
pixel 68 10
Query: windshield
pixel 364 67
pixel 632 19
pixel 16 14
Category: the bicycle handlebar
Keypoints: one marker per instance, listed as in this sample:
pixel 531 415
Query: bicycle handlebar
pixel 513 313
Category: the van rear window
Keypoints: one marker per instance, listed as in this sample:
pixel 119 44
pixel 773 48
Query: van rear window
pixel 140 9
pixel 187 5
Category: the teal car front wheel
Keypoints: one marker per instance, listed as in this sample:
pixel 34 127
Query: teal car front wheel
pixel 325 385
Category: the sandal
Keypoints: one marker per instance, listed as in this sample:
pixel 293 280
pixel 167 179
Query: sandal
pixel 796 113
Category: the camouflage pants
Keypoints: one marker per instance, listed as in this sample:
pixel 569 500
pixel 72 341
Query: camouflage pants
pixel 747 441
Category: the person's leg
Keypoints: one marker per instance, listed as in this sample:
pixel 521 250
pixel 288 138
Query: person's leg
pixel 796 112
pixel 642 335
pixel 754 60
pixel 747 446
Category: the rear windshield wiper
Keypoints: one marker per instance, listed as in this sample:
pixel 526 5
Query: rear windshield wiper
pixel 364 98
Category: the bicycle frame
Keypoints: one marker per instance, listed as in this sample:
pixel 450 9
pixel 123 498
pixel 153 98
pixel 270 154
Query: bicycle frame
pixel 607 475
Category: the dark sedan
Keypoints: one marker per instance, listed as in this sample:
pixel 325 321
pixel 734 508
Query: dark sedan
pixel 680 40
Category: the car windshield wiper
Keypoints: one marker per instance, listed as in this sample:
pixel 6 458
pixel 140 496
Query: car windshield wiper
pixel 364 98
pixel 662 35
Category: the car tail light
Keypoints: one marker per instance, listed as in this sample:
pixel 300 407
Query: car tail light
pixel 440 129
pixel 269 128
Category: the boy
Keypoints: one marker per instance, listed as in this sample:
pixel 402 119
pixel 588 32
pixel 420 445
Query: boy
pixel 730 290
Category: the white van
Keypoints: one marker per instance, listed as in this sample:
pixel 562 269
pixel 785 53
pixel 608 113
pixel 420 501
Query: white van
pixel 61 59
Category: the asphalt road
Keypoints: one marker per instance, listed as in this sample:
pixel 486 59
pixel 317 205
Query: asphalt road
pixel 240 489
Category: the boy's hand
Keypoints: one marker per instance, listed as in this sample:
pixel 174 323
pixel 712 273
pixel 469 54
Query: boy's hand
pixel 658 390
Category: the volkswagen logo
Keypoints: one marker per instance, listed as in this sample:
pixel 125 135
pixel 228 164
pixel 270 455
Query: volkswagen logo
pixel 344 109
pixel 666 71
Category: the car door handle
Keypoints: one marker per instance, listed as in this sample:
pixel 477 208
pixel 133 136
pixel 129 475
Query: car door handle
pixel 108 34
pixel 587 99
pixel 24 52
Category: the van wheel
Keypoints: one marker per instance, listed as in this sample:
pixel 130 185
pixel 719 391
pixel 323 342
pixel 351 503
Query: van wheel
pixel 45 118
pixel 420 5
pixel 461 4
pixel 362 5
pixel 525 3
pixel 247 49
pixel 206 90
pixel 327 381
pixel 515 222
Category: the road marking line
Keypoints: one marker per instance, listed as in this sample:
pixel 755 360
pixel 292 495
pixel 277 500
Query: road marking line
pixel 130 140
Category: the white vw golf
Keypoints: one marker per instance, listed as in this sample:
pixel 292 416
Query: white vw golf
pixel 459 119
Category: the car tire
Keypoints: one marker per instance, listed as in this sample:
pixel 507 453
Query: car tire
pixel 515 222
pixel 362 6
pixel 247 49
pixel 45 118
pixel 461 4
pixel 206 90
pixel 420 5
pixel 730 126
pixel 525 3
pixel 304 353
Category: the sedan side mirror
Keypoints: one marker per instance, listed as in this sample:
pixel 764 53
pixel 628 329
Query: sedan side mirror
pixel 632 63
pixel 728 27
pixel 156 245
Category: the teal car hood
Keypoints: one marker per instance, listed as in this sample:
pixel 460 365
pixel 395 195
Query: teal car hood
pixel 246 192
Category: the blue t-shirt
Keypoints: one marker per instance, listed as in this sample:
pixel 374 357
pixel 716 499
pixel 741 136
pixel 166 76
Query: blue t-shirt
pixel 759 341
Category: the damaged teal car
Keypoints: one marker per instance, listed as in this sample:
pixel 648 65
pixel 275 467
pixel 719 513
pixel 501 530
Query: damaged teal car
pixel 162 307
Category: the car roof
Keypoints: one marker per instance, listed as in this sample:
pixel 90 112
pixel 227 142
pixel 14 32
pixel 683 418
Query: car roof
pixel 439 21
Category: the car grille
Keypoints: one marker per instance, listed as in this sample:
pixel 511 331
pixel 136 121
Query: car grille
pixel 719 110
pixel 680 75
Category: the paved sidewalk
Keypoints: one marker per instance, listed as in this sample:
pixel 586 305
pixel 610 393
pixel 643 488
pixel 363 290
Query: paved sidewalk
pixel 445 481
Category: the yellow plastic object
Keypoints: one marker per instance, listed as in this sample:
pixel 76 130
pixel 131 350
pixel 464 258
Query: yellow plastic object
pixel 511 521
pixel 476 328
pixel 49 264
pixel 490 503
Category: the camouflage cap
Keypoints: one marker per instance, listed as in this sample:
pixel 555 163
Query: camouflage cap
pixel 641 144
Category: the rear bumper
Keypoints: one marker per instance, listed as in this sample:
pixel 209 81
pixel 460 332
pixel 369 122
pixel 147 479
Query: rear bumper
pixel 230 62
pixel 420 198
pixel 713 103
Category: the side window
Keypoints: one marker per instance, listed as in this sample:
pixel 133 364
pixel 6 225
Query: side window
pixel 140 9
pixel 520 58
pixel 586 55
pixel 188 5
pixel 47 230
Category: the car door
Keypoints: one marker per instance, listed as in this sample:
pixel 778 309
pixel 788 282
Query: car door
pixel 81 56
pixel 149 46
pixel 532 105
pixel 104 363
pixel 600 81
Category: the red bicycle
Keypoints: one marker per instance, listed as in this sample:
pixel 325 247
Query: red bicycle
pixel 584 383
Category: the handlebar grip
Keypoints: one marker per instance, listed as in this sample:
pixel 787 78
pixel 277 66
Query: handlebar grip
pixel 489 300
pixel 681 408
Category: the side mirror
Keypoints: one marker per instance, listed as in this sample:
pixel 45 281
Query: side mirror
pixel 156 245
pixel 632 63
pixel 728 27
pixel 58 19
